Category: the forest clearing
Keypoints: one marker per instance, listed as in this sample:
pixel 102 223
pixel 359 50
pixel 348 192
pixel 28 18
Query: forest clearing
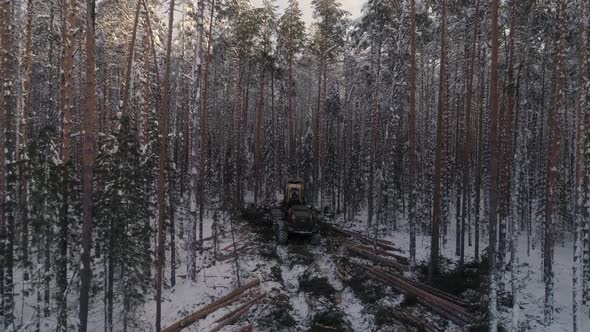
pixel 294 165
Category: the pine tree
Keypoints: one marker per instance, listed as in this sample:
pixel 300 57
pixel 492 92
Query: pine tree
pixel 88 156
pixel 442 101
pixel 292 38
pixel 552 172
pixel 413 154
pixel 581 211
pixel 121 216
pixel 7 111
pixel 162 162
pixel 494 110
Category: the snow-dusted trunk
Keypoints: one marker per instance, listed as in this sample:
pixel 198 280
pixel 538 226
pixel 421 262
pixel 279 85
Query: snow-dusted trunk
pixel 68 31
pixel 192 239
pixel 317 135
pixel 552 173
pixel 494 156
pixel 516 206
pixel 204 126
pixel 442 101
pixel 23 180
pixel 6 111
pixel 162 162
pixel 480 155
pixel 586 225
pixel 413 156
pixel 581 210
pixel 258 145
pixel 514 232
pixel 467 131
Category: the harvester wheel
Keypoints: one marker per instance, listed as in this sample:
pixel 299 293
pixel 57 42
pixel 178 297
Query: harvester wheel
pixel 281 232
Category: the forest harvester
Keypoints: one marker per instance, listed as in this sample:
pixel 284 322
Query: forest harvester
pixel 294 216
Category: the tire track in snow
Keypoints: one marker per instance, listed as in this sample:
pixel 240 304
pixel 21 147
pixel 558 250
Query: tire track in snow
pixel 350 305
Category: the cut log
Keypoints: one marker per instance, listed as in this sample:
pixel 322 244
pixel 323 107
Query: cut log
pixel 385 245
pixel 402 259
pixel 233 316
pixel 325 327
pixel 246 328
pixel 441 294
pixel 449 310
pixel 232 297
pixel 378 259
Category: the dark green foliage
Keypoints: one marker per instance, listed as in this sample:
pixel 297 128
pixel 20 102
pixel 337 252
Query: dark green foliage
pixel 316 286
pixel 45 181
pixel 365 289
pixel 384 316
pixel 330 320
pixel 122 217
pixel 299 255
pixel 278 317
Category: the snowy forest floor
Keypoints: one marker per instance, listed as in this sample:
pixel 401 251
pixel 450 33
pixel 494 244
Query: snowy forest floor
pixel 303 291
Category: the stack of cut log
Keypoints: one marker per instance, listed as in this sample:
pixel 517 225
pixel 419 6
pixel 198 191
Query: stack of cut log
pixel 225 301
pixel 443 304
pixel 378 251
pixel 383 245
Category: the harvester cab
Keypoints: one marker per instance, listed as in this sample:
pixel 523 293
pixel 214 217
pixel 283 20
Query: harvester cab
pixel 294 193
pixel 295 217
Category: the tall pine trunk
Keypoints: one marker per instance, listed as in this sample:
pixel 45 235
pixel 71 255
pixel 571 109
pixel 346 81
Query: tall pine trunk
pixel 581 199
pixel 552 173
pixel 88 156
pixel 413 154
pixel 204 125
pixel 192 259
pixel 494 156
pixel 467 133
pixel 69 30
pixel 442 101
pixel 7 111
pixel 130 53
pixel 23 180
pixel 162 162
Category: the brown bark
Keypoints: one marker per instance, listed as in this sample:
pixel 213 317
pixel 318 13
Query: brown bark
pixel 88 156
pixel 130 53
pixel 442 101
